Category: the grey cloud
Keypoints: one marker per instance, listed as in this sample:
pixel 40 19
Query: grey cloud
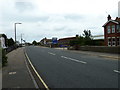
pixel 23 6
pixel 34 19
pixel 60 28
pixel 14 17
pixel 92 27
pixel 74 16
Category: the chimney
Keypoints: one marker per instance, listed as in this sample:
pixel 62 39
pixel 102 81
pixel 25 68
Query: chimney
pixel 109 17
pixel 116 19
pixel 77 36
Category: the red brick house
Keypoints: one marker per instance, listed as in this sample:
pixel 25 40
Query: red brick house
pixel 112 32
pixel 66 41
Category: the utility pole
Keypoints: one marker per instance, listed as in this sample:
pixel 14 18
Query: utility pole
pixel 21 39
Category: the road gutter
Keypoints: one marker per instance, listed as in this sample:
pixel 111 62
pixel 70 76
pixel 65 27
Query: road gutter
pixel 35 72
pixel 35 83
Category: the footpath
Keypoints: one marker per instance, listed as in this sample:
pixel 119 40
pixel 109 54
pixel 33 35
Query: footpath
pixel 99 54
pixel 16 74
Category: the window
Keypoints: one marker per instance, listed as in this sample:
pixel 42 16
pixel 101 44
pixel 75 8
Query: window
pixel 118 41
pixel 108 29
pixel 113 28
pixel 113 41
pixel 109 41
pixel 118 28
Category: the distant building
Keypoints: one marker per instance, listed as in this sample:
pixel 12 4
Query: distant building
pixel 66 41
pixel 46 41
pixel 112 32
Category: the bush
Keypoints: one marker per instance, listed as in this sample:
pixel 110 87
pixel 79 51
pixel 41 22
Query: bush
pixel 4 58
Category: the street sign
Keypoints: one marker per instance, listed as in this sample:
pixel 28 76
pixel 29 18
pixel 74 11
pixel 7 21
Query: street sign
pixel 54 41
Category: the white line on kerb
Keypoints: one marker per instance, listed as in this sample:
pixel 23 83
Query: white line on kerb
pixel 116 71
pixel 74 59
pixel 51 53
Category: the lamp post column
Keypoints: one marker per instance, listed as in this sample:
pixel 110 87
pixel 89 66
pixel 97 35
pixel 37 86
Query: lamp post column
pixel 15 30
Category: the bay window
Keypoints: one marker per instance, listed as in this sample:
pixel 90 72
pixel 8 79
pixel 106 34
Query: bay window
pixel 118 28
pixel 108 29
pixel 113 28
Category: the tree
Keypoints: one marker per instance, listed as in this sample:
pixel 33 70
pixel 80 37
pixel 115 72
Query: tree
pixel 78 41
pixel 10 42
pixel 4 57
pixel 34 42
pixel 87 34
pixel 87 37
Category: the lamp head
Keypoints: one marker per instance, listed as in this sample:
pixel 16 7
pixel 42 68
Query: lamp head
pixel 18 23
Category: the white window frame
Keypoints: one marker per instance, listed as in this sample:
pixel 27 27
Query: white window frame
pixel 113 41
pixel 113 28
pixel 108 29
pixel 118 28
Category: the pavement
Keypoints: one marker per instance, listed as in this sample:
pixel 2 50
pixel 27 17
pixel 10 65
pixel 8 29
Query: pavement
pixel 100 54
pixel 67 69
pixel 17 74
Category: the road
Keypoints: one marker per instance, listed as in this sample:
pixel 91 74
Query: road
pixel 65 69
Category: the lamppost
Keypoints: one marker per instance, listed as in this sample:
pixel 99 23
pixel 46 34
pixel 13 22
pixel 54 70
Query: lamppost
pixel 15 30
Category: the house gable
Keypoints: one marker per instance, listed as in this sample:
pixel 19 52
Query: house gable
pixel 110 21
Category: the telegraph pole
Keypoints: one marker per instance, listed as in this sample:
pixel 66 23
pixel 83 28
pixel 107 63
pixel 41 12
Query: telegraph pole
pixel 21 39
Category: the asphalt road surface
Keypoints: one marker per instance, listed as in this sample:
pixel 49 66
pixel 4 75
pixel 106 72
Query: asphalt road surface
pixel 65 69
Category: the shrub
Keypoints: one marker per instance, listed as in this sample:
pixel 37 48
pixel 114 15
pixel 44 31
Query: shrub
pixel 4 58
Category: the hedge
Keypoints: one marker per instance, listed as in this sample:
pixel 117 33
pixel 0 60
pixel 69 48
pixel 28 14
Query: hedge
pixel 4 58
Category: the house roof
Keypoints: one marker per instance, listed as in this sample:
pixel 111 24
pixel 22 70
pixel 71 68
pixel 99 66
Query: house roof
pixel 114 21
pixel 48 40
pixel 69 38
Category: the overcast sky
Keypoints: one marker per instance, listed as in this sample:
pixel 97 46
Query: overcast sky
pixel 54 18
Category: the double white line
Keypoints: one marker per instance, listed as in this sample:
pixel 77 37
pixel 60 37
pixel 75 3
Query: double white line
pixel 74 59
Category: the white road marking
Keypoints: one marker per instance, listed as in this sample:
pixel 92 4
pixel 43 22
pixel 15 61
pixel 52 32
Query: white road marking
pixel 116 71
pixel 74 59
pixel 11 73
pixel 51 53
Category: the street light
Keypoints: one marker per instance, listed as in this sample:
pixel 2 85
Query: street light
pixel 15 30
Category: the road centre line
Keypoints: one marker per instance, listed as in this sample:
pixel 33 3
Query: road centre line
pixel 116 71
pixel 51 53
pixel 74 59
